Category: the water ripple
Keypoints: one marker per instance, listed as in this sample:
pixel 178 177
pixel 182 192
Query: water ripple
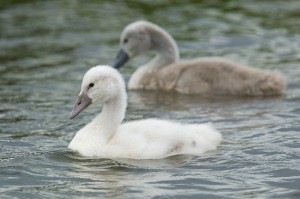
pixel 46 46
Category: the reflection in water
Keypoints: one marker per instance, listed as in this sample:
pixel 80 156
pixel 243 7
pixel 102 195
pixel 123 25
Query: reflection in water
pixel 115 178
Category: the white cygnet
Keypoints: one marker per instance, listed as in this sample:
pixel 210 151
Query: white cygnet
pixel 107 137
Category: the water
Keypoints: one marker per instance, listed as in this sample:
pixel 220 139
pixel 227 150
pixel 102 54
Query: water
pixel 45 48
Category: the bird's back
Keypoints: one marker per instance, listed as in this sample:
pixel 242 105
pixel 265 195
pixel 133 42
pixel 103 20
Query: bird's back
pixel 153 138
pixel 216 76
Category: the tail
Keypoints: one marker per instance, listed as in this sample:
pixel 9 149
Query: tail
pixel 207 132
pixel 274 83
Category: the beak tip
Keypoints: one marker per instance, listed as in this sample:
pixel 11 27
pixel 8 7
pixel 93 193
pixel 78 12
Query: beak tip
pixel 71 116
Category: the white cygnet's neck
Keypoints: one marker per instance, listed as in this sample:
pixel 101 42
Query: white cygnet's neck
pixel 111 117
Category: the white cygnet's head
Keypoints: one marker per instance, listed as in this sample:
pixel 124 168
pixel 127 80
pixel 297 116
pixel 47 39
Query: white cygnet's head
pixel 100 84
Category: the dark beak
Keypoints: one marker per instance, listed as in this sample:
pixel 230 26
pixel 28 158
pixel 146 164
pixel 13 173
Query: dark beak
pixel 121 59
pixel 83 102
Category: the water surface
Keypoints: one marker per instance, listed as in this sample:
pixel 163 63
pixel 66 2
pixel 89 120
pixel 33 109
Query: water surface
pixel 45 48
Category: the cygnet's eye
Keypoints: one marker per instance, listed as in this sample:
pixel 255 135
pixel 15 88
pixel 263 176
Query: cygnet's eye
pixel 91 85
pixel 125 41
